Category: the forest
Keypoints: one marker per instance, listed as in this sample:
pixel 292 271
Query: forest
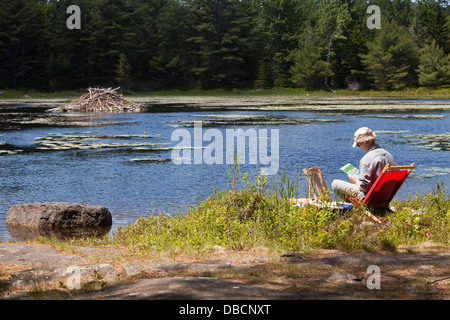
pixel 147 45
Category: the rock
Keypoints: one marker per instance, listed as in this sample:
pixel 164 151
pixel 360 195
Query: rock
pixel 101 273
pixel 34 255
pixel 30 233
pixel 58 215
pixel 131 269
pixel 424 268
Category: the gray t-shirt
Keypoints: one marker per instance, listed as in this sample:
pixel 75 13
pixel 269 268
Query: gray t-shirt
pixel 371 165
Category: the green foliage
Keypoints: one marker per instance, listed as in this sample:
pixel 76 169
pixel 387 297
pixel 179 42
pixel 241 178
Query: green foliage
pixel 253 218
pixel 263 78
pixel 20 28
pixel 434 67
pixel 433 25
pixel 309 68
pixel 123 70
pixel 221 30
pixel 333 18
pixel 277 27
pixel 220 44
pixel 391 58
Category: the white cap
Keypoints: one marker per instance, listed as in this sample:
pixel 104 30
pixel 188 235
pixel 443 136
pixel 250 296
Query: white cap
pixel 361 134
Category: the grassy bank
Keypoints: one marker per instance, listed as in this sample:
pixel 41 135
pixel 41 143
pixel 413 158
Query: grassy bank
pixel 8 94
pixel 254 218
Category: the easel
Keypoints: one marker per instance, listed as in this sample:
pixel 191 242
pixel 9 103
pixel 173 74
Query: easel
pixel 317 183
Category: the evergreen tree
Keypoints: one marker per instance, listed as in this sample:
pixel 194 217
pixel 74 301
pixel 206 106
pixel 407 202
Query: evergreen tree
pixel 391 58
pixel 123 70
pixel 434 67
pixel 110 32
pixel 346 63
pixel 170 64
pixel 433 24
pixel 333 17
pixel 20 28
pixel 220 40
pixel 222 43
pixel 309 67
pixel 263 77
pixel 401 11
pixel 280 24
pixel 66 55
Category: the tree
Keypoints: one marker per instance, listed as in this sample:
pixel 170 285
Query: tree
pixel 263 77
pixel 434 67
pixel 221 43
pixel 399 10
pixel 66 52
pixel 279 26
pixel 333 17
pixel 173 56
pixel 309 68
pixel 123 70
pixel 433 24
pixel 391 59
pixel 346 63
pixel 221 28
pixel 20 29
pixel 109 33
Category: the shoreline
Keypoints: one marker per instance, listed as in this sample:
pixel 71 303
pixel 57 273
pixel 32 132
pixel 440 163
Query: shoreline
pixel 275 102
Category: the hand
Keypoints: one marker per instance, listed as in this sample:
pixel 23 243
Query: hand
pixel 353 180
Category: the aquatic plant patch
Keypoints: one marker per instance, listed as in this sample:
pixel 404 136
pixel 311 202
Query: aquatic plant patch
pixel 8 149
pixel 248 120
pixel 430 141
pixel 409 116
pixel 56 142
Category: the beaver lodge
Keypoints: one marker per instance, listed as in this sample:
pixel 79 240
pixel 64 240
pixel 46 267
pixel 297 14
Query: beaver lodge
pixel 99 100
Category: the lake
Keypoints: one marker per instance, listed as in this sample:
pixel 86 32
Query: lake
pixel 125 161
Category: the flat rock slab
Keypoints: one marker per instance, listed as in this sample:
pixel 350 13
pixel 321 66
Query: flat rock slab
pixel 34 255
pixel 366 259
pixel 191 288
pixel 327 275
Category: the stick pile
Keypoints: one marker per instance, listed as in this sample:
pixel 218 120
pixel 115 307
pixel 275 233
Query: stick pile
pixel 100 100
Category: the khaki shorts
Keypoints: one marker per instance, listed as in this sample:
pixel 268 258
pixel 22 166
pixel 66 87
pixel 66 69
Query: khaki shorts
pixel 343 189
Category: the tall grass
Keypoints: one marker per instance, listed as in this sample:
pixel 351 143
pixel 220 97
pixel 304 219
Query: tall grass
pixel 256 217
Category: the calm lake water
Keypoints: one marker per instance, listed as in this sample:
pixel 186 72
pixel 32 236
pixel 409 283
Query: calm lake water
pixel 31 170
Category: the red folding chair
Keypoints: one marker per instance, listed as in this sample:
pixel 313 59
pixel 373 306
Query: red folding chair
pixel 386 186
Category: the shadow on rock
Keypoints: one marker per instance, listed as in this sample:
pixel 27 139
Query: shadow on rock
pixel 28 233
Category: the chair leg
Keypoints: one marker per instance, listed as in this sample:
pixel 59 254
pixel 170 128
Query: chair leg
pixel 371 216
